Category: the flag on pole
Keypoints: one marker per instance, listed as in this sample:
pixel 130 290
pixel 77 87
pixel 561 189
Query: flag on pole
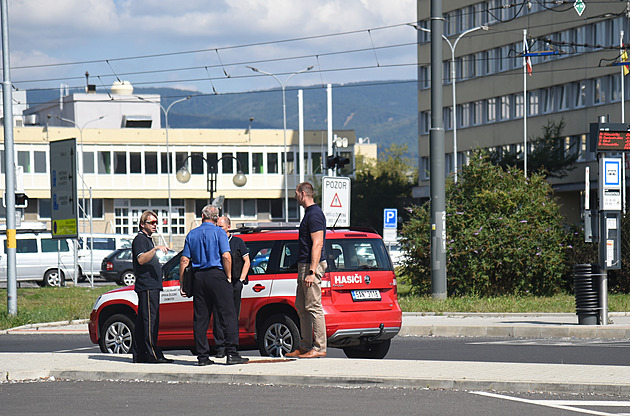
pixel 624 58
pixel 527 59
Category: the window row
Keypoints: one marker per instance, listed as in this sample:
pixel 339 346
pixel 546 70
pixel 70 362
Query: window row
pixel 505 58
pixel 554 99
pixel 571 145
pixel 483 13
pixel 105 162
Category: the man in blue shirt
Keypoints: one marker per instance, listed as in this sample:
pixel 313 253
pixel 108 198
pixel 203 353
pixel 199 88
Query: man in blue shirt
pixel 208 249
pixel 311 269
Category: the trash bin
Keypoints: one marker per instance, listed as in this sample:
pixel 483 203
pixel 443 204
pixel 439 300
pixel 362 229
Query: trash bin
pixel 586 282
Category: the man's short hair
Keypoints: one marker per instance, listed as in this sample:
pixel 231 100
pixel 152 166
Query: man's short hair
pixel 227 220
pixel 145 215
pixel 307 188
pixel 210 212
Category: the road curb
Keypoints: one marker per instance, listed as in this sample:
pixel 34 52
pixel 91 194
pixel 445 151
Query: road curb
pixel 503 331
pixel 351 381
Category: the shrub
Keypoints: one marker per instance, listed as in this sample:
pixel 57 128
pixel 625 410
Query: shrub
pixel 504 235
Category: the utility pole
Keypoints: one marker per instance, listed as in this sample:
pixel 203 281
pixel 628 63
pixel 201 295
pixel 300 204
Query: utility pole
pixel 437 162
pixel 9 163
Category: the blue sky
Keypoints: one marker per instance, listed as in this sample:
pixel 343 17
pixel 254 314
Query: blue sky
pixel 369 41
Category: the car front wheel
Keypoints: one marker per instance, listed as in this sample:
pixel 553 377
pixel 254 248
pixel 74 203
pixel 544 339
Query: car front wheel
pixel 278 336
pixel 127 278
pixel 375 350
pixel 51 278
pixel 117 335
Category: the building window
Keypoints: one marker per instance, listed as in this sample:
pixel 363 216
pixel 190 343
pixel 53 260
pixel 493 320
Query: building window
pixel 290 163
pixel 213 162
pixel 534 108
pixel 518 106
pixel 104 162
pixel 491 110
pixel 88 162
pixel 196 163
pixel 243 159
pixel 24 160
pixel 120 163
pixel 135 162
pixel 272 162
pixel 228 163
pixel 316 158
pixel 165 166
pixel 477 117
pixel 257 163
pixel 150 163
pixel 424 168
pixel 505 107
pixel 39 159
pixel 599 91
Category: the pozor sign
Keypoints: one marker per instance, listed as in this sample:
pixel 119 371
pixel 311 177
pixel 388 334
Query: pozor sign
pixel 336 201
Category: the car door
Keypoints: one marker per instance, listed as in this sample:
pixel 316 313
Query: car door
pixel 261 277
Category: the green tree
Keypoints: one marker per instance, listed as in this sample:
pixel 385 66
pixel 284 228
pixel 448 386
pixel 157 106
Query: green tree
pixel 386 183
pixel 504 234
pixel 548 157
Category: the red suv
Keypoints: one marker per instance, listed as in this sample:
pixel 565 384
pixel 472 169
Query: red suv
pixel 359 296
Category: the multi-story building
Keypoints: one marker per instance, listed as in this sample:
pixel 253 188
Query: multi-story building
pixel 123 157
pixel 574 83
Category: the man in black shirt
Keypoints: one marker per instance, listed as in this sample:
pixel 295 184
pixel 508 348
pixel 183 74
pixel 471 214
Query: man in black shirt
pixel 240 269
pixel 148 271
pixel 311 269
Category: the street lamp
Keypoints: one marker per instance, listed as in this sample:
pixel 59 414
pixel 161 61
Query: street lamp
pixel 284 118
pixel 239 180
pixel 453 77
pixel 83 191
pixel 168 161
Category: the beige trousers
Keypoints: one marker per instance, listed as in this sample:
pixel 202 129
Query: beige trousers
pixel 308 302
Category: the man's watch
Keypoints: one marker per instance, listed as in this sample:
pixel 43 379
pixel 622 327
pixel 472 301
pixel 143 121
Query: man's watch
pixel 310 272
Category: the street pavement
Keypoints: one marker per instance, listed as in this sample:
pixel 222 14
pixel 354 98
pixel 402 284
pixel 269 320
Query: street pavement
pixel 353 372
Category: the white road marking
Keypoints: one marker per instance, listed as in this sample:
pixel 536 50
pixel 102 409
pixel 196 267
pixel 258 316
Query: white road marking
pixel 77 349
pixel 563 404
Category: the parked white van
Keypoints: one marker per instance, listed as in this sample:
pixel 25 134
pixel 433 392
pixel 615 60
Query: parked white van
pixel 37 258
pixel 102 245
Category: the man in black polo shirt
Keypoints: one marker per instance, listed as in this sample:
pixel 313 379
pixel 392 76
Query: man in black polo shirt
pixel 311 268
pixel 148 271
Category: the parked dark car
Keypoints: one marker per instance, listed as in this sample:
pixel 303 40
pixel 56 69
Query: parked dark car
pixel 118 267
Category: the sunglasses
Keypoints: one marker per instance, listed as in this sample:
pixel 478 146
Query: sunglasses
pixel 151 222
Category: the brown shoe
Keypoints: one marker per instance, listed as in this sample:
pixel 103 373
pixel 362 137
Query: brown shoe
pixel 313 354
pixel 296 353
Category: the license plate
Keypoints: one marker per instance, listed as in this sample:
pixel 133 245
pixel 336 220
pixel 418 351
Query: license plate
pixel 358 295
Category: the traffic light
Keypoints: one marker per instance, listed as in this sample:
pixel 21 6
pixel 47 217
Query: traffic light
pixel 21 200
pixel 336 162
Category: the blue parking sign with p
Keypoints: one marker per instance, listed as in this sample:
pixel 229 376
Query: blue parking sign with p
pixel 390 218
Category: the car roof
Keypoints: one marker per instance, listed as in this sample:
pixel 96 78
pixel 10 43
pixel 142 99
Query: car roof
pixel 259 233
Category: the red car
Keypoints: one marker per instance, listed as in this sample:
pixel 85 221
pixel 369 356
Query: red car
pixel 359 297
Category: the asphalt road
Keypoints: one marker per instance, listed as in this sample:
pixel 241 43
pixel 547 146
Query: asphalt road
pixel 556 351
pixel 114 397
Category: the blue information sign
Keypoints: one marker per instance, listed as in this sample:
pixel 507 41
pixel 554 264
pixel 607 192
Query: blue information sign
pixel 390 218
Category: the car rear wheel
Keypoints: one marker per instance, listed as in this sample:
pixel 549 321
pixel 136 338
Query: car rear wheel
pixel 117 335
pixel 376 350
pixel 278 336
pixel 127 278
pixel 51 278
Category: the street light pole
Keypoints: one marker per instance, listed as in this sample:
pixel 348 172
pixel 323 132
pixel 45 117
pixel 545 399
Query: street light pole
pixel 168 161
pixel 284 118
pixel 453 83
pixel 183 174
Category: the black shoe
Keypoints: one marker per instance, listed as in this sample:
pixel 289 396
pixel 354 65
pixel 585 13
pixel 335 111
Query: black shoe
pixel 161 360
pixel 204 361
pixel 236 359
pixel 220 354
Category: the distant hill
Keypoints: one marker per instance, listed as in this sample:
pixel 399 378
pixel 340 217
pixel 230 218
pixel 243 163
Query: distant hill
pixel 386 112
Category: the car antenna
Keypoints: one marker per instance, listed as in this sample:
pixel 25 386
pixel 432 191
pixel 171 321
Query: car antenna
pixel 338 216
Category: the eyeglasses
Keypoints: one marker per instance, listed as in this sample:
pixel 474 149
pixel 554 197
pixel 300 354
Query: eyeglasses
pixel 151 222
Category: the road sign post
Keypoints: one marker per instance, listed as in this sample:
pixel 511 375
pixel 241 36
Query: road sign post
pixel 63 189
pixel 390 225
pixel 336 201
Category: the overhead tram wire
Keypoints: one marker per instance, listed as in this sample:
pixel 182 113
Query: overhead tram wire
pixel 223 65
pixel 249 45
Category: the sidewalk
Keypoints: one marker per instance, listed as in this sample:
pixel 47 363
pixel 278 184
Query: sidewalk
pixel 349 372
